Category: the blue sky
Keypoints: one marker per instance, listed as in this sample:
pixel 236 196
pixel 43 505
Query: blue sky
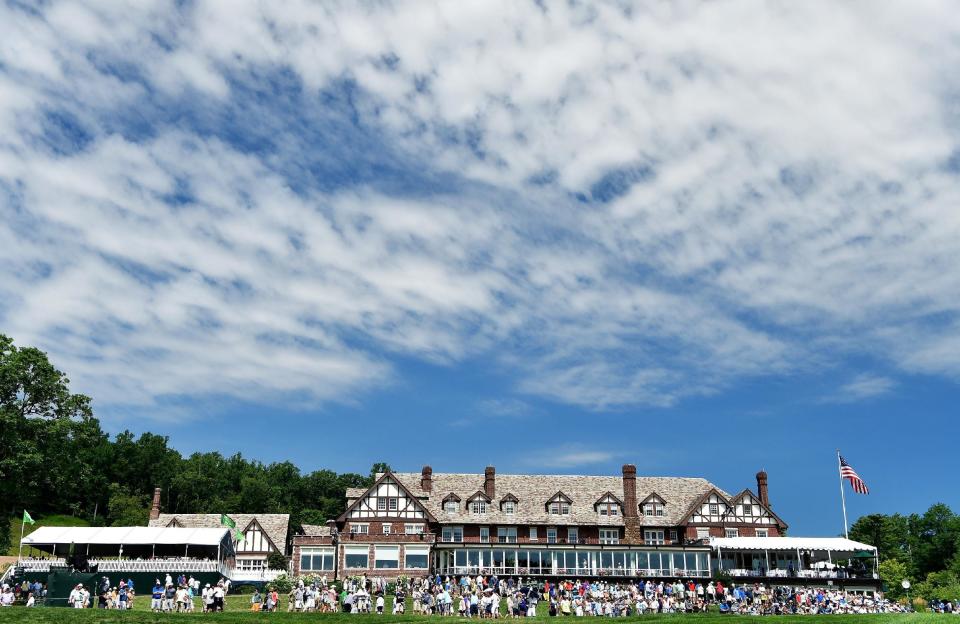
pixel 550 237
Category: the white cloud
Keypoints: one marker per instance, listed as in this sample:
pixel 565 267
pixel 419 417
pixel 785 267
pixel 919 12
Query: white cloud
pixel 862 387
pixel 571 456
pixel 792 206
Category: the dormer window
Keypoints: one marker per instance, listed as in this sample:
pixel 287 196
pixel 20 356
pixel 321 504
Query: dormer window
pixel 654 506
pixel 508 504
pixel 608 505
pixel 559 505
pixel 451 503
pixel 477 504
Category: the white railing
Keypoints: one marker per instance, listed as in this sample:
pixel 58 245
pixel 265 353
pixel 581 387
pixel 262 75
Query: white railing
pixel 158 565
pixel 39 565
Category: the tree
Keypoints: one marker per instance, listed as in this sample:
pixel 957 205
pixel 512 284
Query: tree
pixel 44 430
pixel 126 509
pixel 892 573
pixel 378 468
pixel 277 561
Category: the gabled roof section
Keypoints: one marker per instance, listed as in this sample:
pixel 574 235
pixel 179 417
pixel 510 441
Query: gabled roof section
pixel 275 526
pixel 756 501
pixel 479 495
pixel 703 499
pixel 383 477
pixel 559 497
pixel 533 489
pixel 608 496
pixel 450 497
pixel 653 498
pixel 508 497
pixel 253 524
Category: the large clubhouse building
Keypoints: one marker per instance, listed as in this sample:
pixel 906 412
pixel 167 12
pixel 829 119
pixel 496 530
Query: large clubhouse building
pixel 408 524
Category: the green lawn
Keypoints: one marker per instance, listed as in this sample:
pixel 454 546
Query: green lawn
pixel 68 521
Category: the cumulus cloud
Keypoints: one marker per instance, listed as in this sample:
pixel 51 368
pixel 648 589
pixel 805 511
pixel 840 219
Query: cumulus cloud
pixel 621 204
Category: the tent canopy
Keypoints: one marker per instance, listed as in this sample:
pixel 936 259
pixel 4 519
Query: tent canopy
pixel 132 539
pixel 838 545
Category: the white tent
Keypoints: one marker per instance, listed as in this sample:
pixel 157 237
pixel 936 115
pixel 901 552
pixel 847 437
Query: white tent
pixel 838 545
pixel 136 540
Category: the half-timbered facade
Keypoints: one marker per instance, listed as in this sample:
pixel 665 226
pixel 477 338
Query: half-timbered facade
pixel 263 534
pixel 547 525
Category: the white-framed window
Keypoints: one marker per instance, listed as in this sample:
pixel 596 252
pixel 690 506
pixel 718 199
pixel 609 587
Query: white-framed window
pixel 386 557
pixel 451 506
pixel 413 529
pixel 251 565
pixel 560 508
pixel 703 532
pixel 387 527
pixel 551 535
pixel 507 535
pixel 609 536
pixel 653 536
pixel 484 534
pixel 451 534
pixel 393 504
pixel 381 504
pixel 747 509
pixel 533 534
pixel 509 507
pixel 478 507
pixel 653 509
pixel 573 535
pixel 359 529
pixel 714 509
pixel 356 557
pixel 732 532
pixel 609 510
pixel 763 533
pixel 314 559
pixel 416 557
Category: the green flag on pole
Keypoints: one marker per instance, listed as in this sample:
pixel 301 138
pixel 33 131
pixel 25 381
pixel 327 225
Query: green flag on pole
pixel 237 535
pixel 226 520
pixel 27 519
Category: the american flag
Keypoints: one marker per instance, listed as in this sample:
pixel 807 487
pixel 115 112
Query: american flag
pixel 847 472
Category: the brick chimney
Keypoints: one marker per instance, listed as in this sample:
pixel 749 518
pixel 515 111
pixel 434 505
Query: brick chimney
pixel 490 482
pixel 762 488
pixel 632 524
pixel 630 491
pixel 155 509
pixel 426 479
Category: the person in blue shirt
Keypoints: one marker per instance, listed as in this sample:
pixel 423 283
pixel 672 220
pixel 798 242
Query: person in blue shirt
pixel 156 599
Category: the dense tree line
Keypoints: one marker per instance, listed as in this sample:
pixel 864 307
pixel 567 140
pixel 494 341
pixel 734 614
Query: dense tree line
pixel 924 549
pixel 56 459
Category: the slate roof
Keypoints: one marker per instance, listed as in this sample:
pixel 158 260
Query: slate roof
pixel 315 530
pixel 276 526
pixel 533 492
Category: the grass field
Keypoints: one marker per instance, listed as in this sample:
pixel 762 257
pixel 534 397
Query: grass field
pixel 71 616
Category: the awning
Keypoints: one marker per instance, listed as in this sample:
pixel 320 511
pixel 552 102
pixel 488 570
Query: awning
pixel 129 536
pixel 838 545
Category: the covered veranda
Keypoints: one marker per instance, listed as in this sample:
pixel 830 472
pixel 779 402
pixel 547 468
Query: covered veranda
pixel 794 558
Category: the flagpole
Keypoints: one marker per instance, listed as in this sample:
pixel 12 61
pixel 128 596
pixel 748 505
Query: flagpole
pixel 23 521
pixel 843 497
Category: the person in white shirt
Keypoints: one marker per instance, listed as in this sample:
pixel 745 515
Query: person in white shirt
pixel 380 603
